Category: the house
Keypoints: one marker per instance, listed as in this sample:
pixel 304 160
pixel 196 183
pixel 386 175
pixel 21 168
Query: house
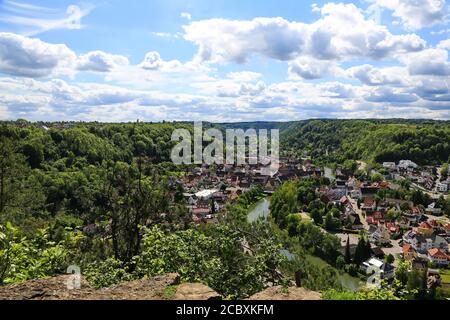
pixel 407 165
pixel 190 199
pixel 375 219
pixel 438 257
pixel 379 235
pixel 389 165
pixel 409 253
pixel 355 194
pixel 426 229
pixel 205 194
pixel 422 244
pixel 442 187
pixel 368 205
pixel 344 200
pixel 447 229
pixel 197 211
pixel 354 219
pixel 432 209
pixel 393 227
pixel 374 265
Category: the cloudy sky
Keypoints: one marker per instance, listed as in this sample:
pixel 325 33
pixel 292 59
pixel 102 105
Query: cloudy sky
pixel 223 60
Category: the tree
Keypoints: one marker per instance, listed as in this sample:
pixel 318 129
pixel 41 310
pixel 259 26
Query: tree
pixel 347 251
pixel 34 151
pixel 392 214
pixel 329 223
pixel 316 216
pixel 362 251
pixel 340 262
pixel 376 177
pixel 390 258
pixel 417 281
pixel 132 200
pixel 11 170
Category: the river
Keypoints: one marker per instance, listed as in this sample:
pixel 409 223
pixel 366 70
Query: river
pixel 261 210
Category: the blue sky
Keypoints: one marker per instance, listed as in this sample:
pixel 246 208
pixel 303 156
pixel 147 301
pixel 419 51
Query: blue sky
pixel 223 60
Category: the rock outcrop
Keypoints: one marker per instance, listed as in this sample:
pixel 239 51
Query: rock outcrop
pixel 291 293
pixel 166 287
pixel 158 288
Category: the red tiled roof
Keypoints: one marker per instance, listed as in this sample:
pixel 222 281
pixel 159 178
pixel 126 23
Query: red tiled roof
pixel 436 253
pixel 425 225
pixel 200 210
pixel 407 248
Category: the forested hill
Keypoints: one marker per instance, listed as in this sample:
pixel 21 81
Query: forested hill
pixel 67 143
pixel 424 142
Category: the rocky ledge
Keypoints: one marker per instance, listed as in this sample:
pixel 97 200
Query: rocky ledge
pixel 166 287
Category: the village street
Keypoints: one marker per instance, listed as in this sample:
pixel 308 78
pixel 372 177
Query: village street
pixel 362 217
pixel 395 250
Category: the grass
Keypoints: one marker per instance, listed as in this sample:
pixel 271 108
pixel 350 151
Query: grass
pixel 169 292
pixel 445 276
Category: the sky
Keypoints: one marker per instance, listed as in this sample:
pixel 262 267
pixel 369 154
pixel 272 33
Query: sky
pixel 223 60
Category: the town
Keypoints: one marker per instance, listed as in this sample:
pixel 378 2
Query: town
pixel 397 229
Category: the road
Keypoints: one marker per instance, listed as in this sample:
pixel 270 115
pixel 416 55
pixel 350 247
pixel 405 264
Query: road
pixel 354 204
pixel 395 250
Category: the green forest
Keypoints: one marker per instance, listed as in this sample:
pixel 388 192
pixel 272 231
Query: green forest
pixel 424 142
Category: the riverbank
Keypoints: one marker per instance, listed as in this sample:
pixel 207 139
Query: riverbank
pixel 262 210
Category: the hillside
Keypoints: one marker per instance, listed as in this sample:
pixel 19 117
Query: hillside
pixel 380 140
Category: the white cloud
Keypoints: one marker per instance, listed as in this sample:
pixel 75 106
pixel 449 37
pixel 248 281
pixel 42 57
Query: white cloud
pixel 162 34
pixel 342 33
pixel 390 95
pixel 99 61
pixel 309 69
pixel 186 15
pixel 21 56
pixel 57 99
pixel 416 14
pixel 432 62
pixel 369 75
pixel 245 76
pixel 444 44
pixel 152 61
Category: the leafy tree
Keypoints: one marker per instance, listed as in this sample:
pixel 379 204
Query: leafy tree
pixel 390 258
pixel 329 223
pixel 317 216
pixel 131 200
pixel 215 257
pixel 11 169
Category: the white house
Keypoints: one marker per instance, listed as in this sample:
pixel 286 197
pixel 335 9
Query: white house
pixel 431 209
pixel 389 165
pixel 206 194
pixel 407 164
pixel 379 235
pixel 422 244
pixel 374 265
pixel 442 187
